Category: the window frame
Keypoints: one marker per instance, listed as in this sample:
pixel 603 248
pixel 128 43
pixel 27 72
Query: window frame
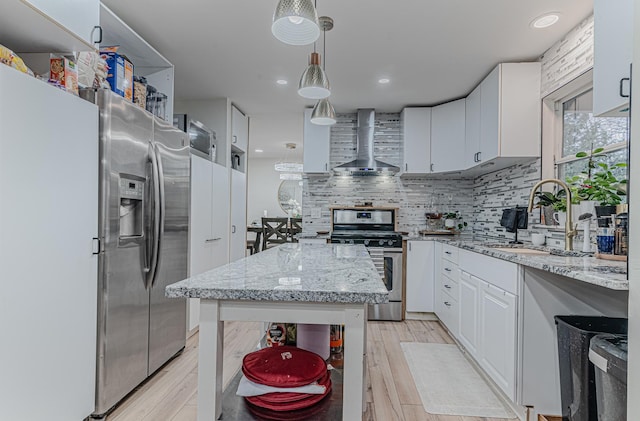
pixel 552 125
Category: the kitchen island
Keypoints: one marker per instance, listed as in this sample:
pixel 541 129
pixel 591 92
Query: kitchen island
pixel 292 283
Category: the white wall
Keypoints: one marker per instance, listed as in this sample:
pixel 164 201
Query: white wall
pixel 263 182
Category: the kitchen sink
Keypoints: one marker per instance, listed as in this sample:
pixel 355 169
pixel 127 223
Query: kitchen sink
pixel 522 250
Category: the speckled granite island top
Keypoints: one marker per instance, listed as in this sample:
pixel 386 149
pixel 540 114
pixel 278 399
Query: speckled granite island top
pixel 331 273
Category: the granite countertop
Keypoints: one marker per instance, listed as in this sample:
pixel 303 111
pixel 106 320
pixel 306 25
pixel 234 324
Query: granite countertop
pixel 332 273
pixel 572 264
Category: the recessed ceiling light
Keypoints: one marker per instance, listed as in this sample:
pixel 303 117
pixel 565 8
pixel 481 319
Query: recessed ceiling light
pixel 383 81
pixel 259 150
pixel 281 82
pixel 545 20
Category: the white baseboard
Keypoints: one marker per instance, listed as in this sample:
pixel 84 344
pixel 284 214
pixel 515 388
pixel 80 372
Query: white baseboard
pixel 411 315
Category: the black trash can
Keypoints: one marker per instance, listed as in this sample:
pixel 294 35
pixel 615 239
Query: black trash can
pixel 608 354
pixel 577 377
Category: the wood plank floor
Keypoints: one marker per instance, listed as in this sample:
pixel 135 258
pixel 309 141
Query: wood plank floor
pixel 171 394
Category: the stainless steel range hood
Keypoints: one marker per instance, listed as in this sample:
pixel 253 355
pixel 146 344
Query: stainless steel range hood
pixel 365 163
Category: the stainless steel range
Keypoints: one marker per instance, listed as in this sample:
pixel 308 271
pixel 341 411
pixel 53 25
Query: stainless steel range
pixel 375 228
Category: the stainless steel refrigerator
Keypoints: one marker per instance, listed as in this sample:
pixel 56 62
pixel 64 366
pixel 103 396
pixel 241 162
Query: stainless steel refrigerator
pixel 143 229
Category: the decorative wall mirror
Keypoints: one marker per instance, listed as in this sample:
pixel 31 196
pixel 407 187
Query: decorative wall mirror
pixel 290 197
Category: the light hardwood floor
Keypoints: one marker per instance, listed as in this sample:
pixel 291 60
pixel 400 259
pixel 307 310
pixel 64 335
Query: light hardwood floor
pixel 391 393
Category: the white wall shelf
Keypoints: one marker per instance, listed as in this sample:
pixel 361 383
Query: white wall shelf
pixel 26 29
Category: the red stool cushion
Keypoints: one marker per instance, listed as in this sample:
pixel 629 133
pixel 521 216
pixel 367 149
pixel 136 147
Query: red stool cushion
pixel 283 366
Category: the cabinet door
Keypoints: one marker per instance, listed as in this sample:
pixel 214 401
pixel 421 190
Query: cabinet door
pixel 472 129
pixel 78 16
pixel 490 116
pixel 238 242
pixel 497 336
pixel 416 133
pixel 469 300
pixel 221 224
pixel 48 217
pixel 613 50
pixel 200 227
pixel 317 145
pixel 239 129
pixel 448 136
pixel 420 276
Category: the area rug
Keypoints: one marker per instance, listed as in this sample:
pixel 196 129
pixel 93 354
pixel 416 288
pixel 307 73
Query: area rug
pixel 449 385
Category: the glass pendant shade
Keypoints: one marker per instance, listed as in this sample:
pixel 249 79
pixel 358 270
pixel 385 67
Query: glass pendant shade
pixel 295 22
pixel 288 167
pixel 314 83
pixel 323 113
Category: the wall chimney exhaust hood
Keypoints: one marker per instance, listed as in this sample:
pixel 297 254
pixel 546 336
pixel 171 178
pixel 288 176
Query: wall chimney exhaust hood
pixel 365 163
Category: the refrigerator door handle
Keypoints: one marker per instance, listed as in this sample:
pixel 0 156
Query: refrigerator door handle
pixel 161 202
pixel 151 269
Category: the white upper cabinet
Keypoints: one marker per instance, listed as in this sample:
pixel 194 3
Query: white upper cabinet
pixel 613 50
pixel 316 145
pixel 420 276
pixel 416 132
pixel 78 16
pixel 239 129
pixel 36 26
pixel 510 111
pixel 473 108
pixel 448 136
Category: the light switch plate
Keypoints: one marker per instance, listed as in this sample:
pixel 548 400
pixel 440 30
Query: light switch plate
pixel 316 213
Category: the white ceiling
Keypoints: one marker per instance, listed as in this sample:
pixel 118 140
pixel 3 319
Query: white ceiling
pixel 432 50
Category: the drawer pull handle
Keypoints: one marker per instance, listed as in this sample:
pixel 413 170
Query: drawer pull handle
pixel 447 303
pixel 447 269
pixel 447 286
pixel 447 252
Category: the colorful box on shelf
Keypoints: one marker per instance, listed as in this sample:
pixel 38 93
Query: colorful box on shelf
pixel 120 74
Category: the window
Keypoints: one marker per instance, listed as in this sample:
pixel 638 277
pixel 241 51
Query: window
pixel 582 132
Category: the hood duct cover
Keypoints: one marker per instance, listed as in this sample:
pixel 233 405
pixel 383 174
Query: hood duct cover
pixel 365 163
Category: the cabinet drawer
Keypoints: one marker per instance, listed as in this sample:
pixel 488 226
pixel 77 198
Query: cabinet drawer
pixel 495 271
pixel 450 253
pixel 451 270
pixel 450 286
pixel 448 311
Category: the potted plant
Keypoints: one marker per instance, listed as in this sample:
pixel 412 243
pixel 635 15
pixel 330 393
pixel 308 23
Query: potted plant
pixel 550 203
pixel 453 220
pixel 599 184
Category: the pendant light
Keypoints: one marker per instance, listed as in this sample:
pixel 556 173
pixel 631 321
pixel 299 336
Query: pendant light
pixel 295 22
pixel 287 165
pixel 314 83
pixel 323 113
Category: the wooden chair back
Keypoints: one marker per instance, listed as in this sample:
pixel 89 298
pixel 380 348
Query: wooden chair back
pixel 295 227
pixel 274 231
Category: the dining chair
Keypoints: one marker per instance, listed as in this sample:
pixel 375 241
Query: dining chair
pixel 274 232
pixel 295 227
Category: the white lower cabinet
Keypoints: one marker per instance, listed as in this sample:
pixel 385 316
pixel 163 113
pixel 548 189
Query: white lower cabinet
pixel 497 335
pixel 477 302
pixel 469 312
pixel 420 276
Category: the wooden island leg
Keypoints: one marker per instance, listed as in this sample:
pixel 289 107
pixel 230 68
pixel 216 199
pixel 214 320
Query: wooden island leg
pixel 210 356
pixel 354 347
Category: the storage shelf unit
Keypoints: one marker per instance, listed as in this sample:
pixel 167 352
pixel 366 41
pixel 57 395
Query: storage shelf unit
pixel 147 61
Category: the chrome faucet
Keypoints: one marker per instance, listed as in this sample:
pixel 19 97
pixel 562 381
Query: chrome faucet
pixel 569 230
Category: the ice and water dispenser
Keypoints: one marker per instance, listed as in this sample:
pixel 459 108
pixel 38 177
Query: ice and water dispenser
pixel 131 207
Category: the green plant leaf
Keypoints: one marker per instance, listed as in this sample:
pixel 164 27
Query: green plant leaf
pixel 581 155
pixel 597 150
